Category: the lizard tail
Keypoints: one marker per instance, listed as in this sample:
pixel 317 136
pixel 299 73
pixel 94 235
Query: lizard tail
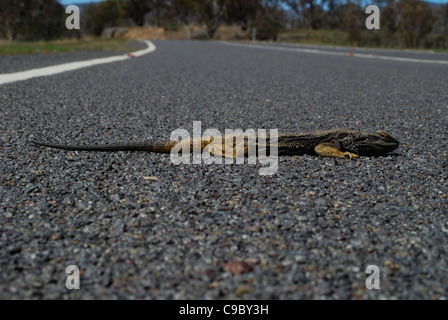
pixel 159 147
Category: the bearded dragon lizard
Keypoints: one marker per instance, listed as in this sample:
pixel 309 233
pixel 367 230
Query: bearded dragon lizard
pixel 337 143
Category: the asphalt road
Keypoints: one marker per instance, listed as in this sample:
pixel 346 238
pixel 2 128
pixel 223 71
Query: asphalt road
pixel 138 226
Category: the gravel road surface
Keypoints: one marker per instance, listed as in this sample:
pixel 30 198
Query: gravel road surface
pixel 138 226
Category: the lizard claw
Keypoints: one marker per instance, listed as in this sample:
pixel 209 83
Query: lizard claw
pixel 349 155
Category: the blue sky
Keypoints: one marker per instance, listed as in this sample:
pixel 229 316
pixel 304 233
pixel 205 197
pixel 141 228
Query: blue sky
pixel 68 2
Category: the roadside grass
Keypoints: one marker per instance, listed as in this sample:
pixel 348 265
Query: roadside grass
pixel 87 44
pixel 369 39
pixel 315 37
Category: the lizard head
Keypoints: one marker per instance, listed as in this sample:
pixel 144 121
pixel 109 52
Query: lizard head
pixel 370 143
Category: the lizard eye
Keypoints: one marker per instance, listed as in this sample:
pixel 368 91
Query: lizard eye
pixel 383 135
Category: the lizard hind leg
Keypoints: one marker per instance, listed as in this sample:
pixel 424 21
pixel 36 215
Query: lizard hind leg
pixel 331 149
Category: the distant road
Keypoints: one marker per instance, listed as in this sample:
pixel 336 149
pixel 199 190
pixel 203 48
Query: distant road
pixel 376 54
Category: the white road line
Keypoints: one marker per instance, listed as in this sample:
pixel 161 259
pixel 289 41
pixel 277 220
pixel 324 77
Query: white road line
pixel 336 53
pixel 60 68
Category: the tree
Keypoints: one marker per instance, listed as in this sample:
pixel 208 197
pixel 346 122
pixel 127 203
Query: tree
pixel 354 22
pixel 242 12
pixel 9 14
pixel 211 13
pixel 330 20
pixel 270 20
pixel 309 10
pixel 416 21
pixel 31 20
pixel 110 13
pixel 137 9
pixel 182 10
pixel 389 19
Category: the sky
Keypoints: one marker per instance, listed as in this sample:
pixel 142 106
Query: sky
pixel 68 2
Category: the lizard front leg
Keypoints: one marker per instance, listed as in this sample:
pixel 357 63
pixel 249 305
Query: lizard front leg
pixel 332 149
pixel 230 149
pixel 220 148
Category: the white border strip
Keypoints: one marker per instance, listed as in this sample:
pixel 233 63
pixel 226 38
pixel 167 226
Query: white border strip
pixel 336 53
pixel 60 68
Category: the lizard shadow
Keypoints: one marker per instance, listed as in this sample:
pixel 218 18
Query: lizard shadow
pixel 394 154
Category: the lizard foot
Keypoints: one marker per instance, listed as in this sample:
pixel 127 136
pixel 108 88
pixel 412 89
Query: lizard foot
pixel 349 155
